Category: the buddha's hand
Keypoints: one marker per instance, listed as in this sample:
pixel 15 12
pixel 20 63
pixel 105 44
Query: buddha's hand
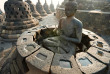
pixel 63 36
pixel 55 30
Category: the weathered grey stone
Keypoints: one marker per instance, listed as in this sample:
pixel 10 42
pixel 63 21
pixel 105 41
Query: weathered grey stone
pixel 64 64
pixel 27 49
pixel 34 70
pixel 41 60
pixel 99 54
pixel 25 40
pixel 89 65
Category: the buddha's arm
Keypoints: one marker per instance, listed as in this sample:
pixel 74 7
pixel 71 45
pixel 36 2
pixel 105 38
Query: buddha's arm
pixel 78 36
pixel 58 30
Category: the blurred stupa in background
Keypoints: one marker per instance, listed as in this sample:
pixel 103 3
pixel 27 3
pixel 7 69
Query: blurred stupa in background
pixel 52 7
pixel 1 12
pixel 33 10
pixel 58 5
pixel 63 3
pixel 1 20
pixel 46 8
pixel 18 19
pixel 40 9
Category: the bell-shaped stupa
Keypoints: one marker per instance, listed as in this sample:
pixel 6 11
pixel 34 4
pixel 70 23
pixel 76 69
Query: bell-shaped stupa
pixel 1 20
pixel 33 10
pixel 63 3
pixel 18 19
pixel 40 9
pixel 1 12
pixel 52 7
pixel 46 8
pixel 58 5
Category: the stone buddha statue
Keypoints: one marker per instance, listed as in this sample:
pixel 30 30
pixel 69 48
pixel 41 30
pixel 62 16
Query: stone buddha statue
pixel 69 32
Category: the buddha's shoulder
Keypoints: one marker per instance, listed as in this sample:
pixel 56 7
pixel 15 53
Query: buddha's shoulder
pixel 78 22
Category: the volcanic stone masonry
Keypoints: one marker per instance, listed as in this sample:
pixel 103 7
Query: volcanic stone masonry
pixel 40 9
pixel 18 19
pixel 46 8
pixel 34 11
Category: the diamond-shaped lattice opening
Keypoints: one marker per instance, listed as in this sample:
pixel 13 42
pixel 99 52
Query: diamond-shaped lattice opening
pixel 100 53
pixel 65 64
pixel 41 56
pixel 85 61
pixel 24 39
pixel 30 47
pixel 100 44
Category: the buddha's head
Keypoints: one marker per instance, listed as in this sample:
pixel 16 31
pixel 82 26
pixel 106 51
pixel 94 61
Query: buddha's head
pixel 70 8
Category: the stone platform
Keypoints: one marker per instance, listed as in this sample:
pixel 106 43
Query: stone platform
pixel 27 55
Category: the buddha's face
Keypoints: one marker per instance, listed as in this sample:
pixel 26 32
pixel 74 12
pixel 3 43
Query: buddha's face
pixel 69 11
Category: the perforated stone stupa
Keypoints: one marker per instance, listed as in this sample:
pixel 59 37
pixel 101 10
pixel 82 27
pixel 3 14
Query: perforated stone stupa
pixel 63 3
pixel 40 9
pixel 58 5
pixel 46 8
pixel 1 20
pixel 18 19
pixel 1 11
pixel 52 7
pixel 33 10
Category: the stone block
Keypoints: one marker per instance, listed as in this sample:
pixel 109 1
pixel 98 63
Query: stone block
pixel 64 64
pixel 101 44
pixel 99 54
pixel 27 49
pixel 41 60
pixel 34 29
pixel 90 65
pixel 28 33
pixel 10 36
pixel 25 40
pixel 5 48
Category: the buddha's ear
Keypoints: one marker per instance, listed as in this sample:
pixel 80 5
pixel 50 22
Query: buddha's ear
pixel 75 10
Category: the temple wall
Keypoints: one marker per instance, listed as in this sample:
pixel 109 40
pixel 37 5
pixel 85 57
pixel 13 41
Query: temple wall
pixel 94 21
